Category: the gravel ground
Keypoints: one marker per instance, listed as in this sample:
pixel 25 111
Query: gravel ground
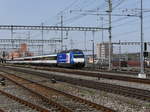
pixel 10 105
pixel 116 102
pixel 116 82
pixel 22 93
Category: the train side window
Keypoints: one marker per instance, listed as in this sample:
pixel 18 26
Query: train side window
pixel 50 58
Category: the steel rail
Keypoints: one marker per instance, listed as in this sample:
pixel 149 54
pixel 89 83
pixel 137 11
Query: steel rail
pixel 26 103
pixel 100 75
pixel 123 90
pixel 75 98
pixel 2 110
pixel 91 74
pixel 56 105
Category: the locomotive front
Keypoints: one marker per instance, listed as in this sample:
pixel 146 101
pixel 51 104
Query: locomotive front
pixel 77 58
pixel 72 58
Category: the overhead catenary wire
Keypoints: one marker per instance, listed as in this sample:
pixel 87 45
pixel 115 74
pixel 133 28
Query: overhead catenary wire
pixel 130 32
pixel 69 6
pixel 118 4
pixel 133 22
pixel 74 18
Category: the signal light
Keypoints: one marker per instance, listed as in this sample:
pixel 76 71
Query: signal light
pixel 145 46
pixel 145 54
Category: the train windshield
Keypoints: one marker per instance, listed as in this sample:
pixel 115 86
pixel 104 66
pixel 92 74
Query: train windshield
pixel 78 56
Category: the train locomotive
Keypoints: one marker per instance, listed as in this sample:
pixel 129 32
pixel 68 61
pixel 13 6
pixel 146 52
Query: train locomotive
pixel 70 58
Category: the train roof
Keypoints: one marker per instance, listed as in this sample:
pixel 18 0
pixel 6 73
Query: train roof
pixel 40 56
pixel 35 57
pixel 71 50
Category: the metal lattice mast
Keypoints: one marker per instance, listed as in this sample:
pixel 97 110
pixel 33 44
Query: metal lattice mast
pixel 42 38
pixel 109 30
pixel 142 74
pixel 61 33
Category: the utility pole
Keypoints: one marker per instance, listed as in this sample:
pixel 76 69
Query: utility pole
pixel 85 41
pixel 142 74
pixel 28 38
pixel 42 38
pixel 93 48
pixel 102 30
pixel 61 33
pixel 29 35
pixel 12 42
pixel 119 55
pixel 71 43
pixel 109 30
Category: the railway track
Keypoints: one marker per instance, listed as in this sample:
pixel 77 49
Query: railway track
pixel 2 110
pixel 20 92
pixel 117 70
pixel 100 75
pixel 23 102
pixel 94 74
pixel 122 90
pixel 65 102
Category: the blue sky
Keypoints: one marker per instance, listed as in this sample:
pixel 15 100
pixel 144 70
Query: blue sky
pixel 34 12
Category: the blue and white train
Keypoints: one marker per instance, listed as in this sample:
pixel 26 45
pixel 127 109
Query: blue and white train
pixel 70 58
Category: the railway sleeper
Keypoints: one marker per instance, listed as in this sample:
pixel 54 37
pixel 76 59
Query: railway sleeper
pixel 79 100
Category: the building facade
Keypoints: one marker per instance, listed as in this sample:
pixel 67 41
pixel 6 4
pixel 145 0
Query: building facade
pixel 102 51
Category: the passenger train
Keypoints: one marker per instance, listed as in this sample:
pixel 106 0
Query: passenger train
pixel 70 58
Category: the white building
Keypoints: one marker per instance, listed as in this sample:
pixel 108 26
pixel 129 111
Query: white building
pixel 102 51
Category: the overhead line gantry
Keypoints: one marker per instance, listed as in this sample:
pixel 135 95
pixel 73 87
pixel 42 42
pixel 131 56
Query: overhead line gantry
pixel 29 41
pixel 129 43
pixel 59 28
pixel 41 28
